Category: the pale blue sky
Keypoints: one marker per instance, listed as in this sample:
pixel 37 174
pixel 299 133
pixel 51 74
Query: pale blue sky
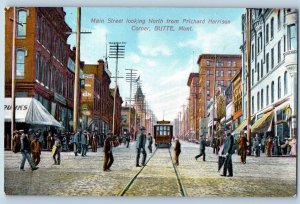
pixel 164 59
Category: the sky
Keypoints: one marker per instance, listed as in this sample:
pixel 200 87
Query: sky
pixel 164 59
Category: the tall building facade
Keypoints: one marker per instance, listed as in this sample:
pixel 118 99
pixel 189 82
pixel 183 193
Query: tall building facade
pixel 215 70
pixel 193 83
pixel 273 75
pixel 44 61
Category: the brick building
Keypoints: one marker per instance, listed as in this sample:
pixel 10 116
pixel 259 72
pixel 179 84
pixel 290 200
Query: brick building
pixel 214 68
pixel 118 117
pixel 193 83
pixel 44 61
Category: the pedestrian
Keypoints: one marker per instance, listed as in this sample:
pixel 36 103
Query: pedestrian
pixel 202 144
pixel 293 143
pixel 76 142
pixel 221 156
pixel 25 151
pixel 16 141
pixel 214 141
pixel 263 144
pixel 108 155
pixel 177 151
pixel 256 147
pixel 128 136
pixel 140 147
pixel 150 142
pixel 36 148
pixel 242 143
pixel 94 141
pixel 56 150
pixel 40 136
pixel 84 143
pixel 269 146
pixel 228 151
pixel 49 141
pixel 64 142
pixel 276 146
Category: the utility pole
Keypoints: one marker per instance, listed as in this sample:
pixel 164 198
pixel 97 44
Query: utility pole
pixel 13 82
pixel 130 77
pixel 77 67
pixel 117 51
pixel 214 100
pixel 248 51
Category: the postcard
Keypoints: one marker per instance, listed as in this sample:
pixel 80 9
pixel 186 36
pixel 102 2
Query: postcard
pixel 136 101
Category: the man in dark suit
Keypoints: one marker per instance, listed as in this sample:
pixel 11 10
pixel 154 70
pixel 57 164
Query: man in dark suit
pixel 228 151
pixel 202 144
pixel 177 151
pixel 108 155
pixel 140 147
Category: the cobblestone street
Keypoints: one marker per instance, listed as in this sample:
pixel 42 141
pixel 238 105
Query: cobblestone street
pixel 260 177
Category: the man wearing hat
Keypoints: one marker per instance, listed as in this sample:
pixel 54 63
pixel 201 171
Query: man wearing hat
pixel 36 148
pixel 84 143
pixel 108 155
pixel 177 151
pixel 76 142
pixel 202 144
pixel 25 151
pixel 140 146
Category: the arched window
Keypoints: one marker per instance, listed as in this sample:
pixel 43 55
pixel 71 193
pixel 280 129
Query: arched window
pixel 267 97
pixel 42 71
pixel 262 69
pixel 262 99
pixel 279 87
pixel 285 83
pixel 37 66
pixel 272 28
pixel 20 63
pixel 278 20
pixel 252 104
pixel 267 33
pixel 257 70
pixel 252 77
pixel 258 101
pixel 21 26
pixel 272 92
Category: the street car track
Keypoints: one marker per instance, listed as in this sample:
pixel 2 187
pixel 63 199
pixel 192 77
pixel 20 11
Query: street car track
pixel 179 181
pixel 125 189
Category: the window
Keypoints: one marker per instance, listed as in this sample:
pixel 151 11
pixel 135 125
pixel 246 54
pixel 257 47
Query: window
pixel 272 28
pixel 252 104
pixel 284 43
pixel 234 72
pixel 267 62
pixel 220 64
pixel 267 95
pixel 222 73
pixel 257 71
pixel 207 63
pixel 259 41
pixel 229 63
pixel 38 28
pixel 229 73
pixel 252 51
pixel 267 33
pixel 252 77
pixel 258 101
pixel 279 52
pixel 21 26
pixel 262 99
pixel 207 72
pixel 207 83
pixel 37 65
pixel 272 58
pixel 207 93
pixel 222 83
pixel 285 83
pixel 234 63
pixel 20 63
pixel 272 92
pixel 42 70
pixel 278 21
pixel 292 38
pixel 262 69
pixel 217 73
pixel 279 87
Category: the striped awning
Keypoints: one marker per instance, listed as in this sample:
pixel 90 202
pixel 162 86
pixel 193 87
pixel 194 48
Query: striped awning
pixel 263 124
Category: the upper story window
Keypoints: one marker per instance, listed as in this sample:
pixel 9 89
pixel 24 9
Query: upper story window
pixel 279 20
pixel 285 83
pixel 272 28
pixel 267 33
pixel 234 63
pixel 207 63
pixel 292 38
pixel 229 63
pixel 21 25
pixel 20 63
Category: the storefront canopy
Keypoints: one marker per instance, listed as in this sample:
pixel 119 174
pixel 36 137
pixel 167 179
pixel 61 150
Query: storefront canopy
pixel 240 127
pixel 30 111
pixel 263 124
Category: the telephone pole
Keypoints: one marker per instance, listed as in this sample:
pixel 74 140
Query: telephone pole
pixel 130 77
pixel 116 51
pixel 248 38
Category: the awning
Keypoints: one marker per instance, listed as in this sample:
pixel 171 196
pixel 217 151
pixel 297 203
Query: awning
pixel 240 127
pixel 30 111
pixel 263 124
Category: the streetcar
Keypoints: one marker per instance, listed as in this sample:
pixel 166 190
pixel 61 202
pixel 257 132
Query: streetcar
pixel 163 133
